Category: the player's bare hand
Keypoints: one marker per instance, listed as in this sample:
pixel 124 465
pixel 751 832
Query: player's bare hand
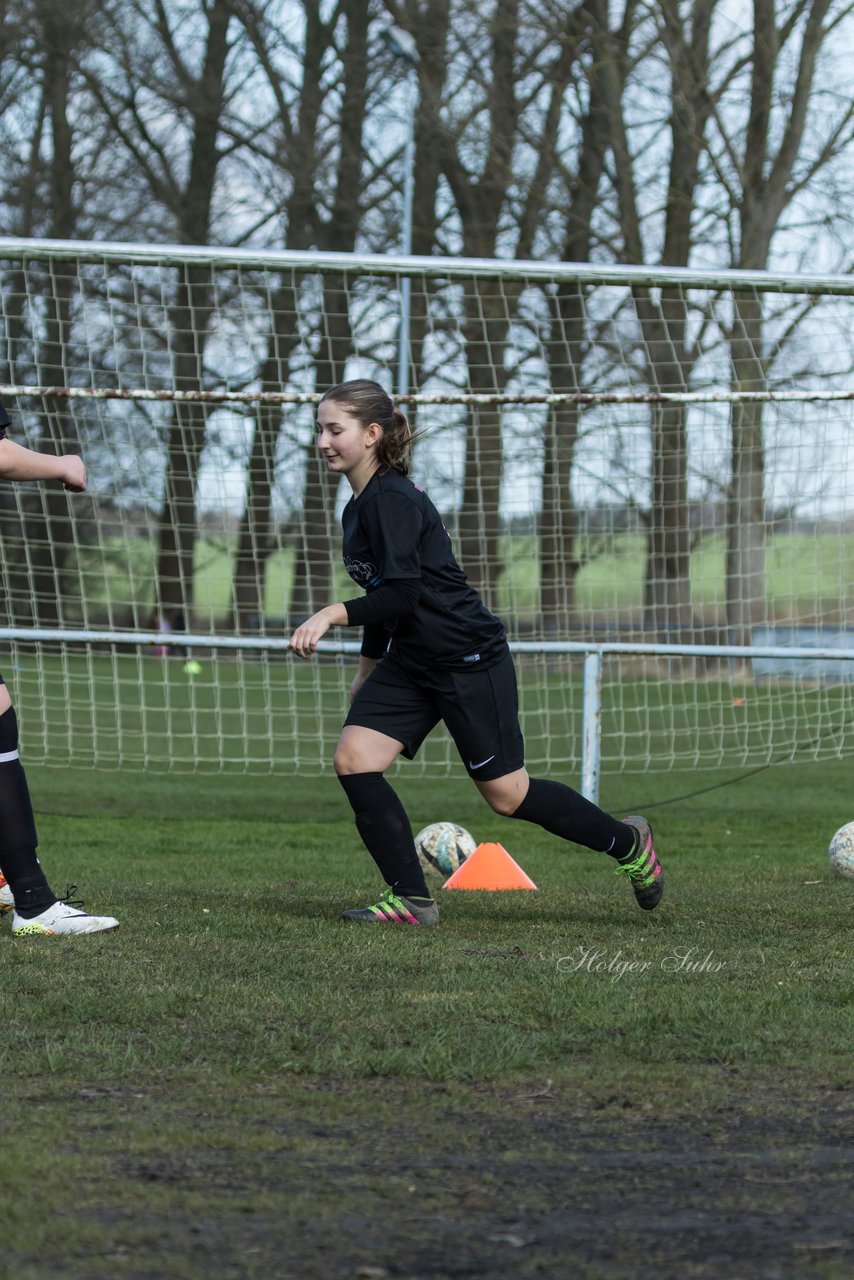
pixel 304 640
pixel 73 474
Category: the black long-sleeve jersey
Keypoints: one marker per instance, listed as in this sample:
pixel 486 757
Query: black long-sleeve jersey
pixel 398 549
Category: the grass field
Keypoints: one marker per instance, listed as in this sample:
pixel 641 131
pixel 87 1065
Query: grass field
pixel 548 1084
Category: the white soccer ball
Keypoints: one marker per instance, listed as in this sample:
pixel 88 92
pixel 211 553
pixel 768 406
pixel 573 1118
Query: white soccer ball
pixel 443 847
pixel 841 851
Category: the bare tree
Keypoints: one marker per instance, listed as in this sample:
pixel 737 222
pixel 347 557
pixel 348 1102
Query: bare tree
pixel 682 38
pixel 171 63
pixel 432 71
pixel 500 67
pixel 792 133
pixel 322 116
pixel 49 193
pixel 291 146
pixel 589 41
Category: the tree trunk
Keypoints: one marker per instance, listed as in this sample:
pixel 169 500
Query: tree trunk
pixel 558 561
pixel 664 327
pixel 50 534
pixel 255 543
pixel 189 324
pixel 566 345
pixel 667 583
pixel 189 321
pixel 745 554
pixel 768 183
pixel 480 514
pixel 319 540
pixel 667 592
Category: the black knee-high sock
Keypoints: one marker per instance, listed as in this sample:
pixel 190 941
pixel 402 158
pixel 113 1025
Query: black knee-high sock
pixel 386 831
pixel 565 813
pixel 18 839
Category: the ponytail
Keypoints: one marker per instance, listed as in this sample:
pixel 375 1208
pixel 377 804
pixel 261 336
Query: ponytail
pixel 394 448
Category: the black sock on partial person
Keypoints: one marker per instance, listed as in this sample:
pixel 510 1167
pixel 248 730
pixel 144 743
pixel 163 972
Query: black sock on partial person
pixel 32 895
pixel 562 811
pixel 386 832
pixel 18 838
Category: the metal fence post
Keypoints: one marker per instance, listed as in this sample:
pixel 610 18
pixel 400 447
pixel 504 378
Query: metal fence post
pixel 591 726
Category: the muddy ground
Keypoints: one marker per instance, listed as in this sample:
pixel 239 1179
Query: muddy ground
pixel 428 1183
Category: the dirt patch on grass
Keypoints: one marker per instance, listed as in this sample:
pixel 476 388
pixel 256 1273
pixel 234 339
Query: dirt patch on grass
pixel 388 1179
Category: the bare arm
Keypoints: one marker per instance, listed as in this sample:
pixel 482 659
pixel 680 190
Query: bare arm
pixel 19 463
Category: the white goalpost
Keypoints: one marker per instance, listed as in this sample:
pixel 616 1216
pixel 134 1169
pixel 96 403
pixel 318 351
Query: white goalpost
pixel 648 474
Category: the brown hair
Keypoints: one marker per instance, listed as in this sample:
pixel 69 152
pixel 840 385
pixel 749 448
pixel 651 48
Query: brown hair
pixel 368 403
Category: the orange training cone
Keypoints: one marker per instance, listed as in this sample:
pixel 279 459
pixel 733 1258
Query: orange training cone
pixel 489 867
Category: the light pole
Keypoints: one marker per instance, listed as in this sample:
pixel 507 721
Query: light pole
pixel 402 45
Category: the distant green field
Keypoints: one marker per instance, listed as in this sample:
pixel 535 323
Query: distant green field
pixel 806 577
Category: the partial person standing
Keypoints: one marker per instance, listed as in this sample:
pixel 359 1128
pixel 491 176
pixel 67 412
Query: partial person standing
pixel 24 889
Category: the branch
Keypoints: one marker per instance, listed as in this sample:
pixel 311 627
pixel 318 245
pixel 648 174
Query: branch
pixel 781 170
pixel 164 186
pixel 838 142
pixel 558 78
pixel 161 25
pixel 248 16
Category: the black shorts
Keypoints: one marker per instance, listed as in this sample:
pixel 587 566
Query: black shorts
pixel 479 707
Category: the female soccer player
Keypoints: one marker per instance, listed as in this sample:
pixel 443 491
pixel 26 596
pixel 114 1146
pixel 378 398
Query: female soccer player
pixel 431 651
pixel 23 888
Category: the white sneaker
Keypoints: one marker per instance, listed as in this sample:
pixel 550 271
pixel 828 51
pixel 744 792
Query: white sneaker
pixel 7 902
pixel 61 918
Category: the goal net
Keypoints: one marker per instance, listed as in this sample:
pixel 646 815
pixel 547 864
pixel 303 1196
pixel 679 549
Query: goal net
pixel 654 465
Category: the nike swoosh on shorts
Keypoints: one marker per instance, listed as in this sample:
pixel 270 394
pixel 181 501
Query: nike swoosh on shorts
pixel 482 763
